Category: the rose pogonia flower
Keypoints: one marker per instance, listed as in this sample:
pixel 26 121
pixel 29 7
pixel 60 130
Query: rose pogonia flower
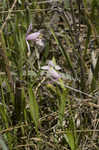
pixel 35 37
pixel 51 70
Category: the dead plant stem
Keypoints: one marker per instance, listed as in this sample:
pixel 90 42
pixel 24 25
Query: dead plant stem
pixel 3 46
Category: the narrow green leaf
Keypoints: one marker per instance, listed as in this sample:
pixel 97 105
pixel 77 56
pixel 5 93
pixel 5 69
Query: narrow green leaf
pixel 63 98
pixel 34 109
pixel 2 144
pixel 70 139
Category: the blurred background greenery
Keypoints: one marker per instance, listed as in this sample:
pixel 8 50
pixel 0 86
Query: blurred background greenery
pixel 54 108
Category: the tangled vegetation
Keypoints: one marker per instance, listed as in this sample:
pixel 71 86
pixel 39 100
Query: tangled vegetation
pixel 49 74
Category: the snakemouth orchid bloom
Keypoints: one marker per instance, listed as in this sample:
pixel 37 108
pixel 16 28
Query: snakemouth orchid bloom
pixel 52 70
pixel 36 37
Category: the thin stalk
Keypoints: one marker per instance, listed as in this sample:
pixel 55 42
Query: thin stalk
pixel 3 47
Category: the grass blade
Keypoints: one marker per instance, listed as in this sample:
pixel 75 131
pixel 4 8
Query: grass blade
pixel 34 109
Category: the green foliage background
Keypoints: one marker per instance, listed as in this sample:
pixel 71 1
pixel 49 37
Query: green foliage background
pixel 38 111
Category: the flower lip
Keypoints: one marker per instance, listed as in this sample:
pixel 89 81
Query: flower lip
pixel 40 42
pixel 54 73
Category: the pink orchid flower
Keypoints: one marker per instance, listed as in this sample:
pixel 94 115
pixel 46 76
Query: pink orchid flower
pixel 52 70
pixel 35 37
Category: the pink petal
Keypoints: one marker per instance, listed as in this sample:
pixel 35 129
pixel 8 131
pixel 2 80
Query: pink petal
pixel 57 67
pixel 33 36
pixel 50 63
pixel 29 29
pixel 53 65
pixel 45 67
